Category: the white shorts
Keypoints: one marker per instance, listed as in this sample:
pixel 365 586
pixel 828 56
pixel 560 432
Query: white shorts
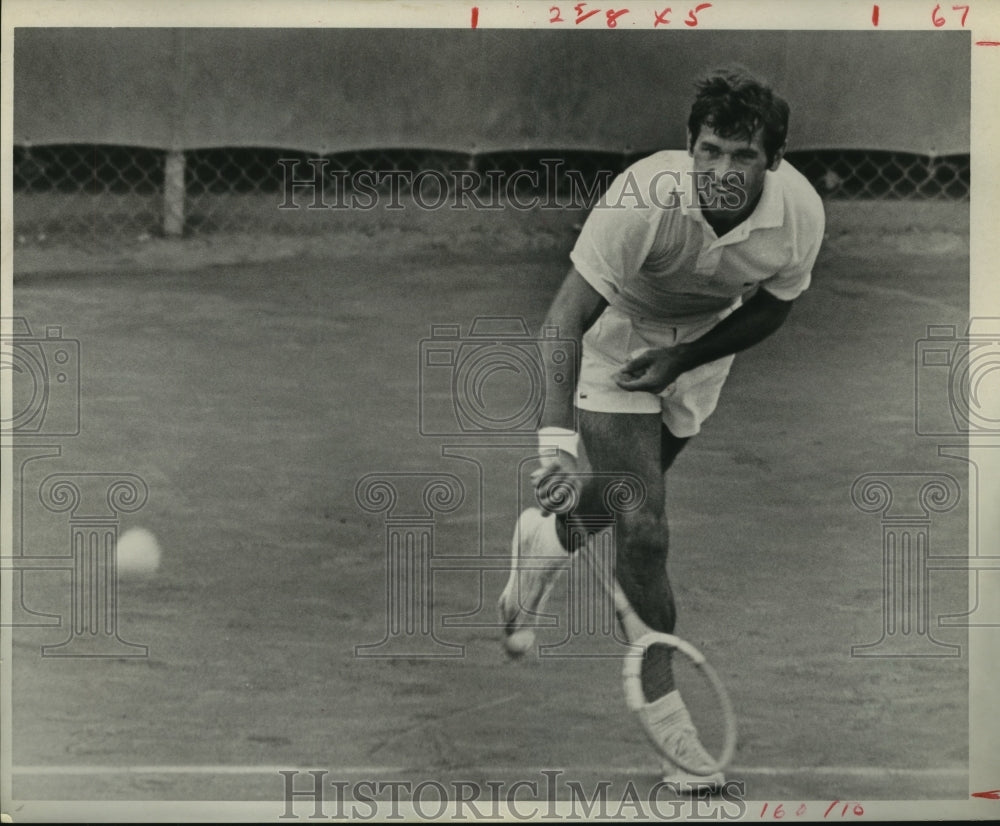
pixel 614 338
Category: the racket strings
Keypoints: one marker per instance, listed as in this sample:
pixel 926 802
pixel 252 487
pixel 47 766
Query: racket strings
pixel 692 725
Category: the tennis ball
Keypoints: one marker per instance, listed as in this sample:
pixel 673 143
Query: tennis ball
pixel 138 553
pixel 519 642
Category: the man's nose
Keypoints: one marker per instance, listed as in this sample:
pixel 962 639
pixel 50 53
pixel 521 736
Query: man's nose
pixel 725 165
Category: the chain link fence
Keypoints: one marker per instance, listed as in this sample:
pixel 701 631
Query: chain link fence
pixel 93 193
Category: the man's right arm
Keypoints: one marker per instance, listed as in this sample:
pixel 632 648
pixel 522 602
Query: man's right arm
pixel 575 308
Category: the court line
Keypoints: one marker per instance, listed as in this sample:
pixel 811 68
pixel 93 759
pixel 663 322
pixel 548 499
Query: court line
pixel 767 771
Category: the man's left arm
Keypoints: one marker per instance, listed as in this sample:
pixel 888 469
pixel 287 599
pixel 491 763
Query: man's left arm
pixel 657 368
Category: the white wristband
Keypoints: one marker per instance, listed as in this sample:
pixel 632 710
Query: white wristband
pixel 567 441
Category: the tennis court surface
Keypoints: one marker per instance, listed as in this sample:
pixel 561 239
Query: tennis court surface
pixel 252 383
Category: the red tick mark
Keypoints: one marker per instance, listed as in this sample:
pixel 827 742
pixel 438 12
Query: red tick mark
pixel 475 16
pixel 991 795
pixel 874 15
pixel 988 42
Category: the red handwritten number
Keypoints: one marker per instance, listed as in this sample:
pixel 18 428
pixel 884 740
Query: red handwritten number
pixel 692 18
pixel 801 810
pixel 555 18
pixel 763 811
pixel 859 809
pixel 965 12
pixel 830 808
pixel 936 18
pixel 779 811
pixel 613 16
pixel 661 19
pixel 581 15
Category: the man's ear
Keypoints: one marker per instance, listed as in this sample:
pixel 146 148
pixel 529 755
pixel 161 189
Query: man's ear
pixel 777 157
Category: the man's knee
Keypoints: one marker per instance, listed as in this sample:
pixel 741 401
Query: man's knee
pixel 641 568
pixel 642 536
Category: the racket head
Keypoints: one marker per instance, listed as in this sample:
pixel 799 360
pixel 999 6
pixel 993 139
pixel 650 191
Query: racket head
pixel 704 694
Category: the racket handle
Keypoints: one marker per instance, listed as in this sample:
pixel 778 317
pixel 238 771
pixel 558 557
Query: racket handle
pixel 631 623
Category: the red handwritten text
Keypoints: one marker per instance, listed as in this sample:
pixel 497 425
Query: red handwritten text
pixel 939 19
pixel 582 15
pixel 612 16
pixel 837 810
pixel 692 18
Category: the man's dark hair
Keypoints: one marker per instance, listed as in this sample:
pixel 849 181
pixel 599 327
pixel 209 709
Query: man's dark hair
pixel 735 104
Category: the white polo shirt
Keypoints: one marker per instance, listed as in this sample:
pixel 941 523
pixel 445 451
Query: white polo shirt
pixel 648 250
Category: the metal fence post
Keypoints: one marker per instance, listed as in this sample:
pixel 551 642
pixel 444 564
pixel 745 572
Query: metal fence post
pixel 173 194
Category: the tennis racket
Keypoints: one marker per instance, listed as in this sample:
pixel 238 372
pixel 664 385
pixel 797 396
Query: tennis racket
pixel 704 692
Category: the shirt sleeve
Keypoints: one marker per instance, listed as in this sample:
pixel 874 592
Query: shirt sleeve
pixel 791 281
pixel 615 239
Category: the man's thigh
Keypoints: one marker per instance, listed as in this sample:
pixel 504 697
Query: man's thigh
pixel 626 443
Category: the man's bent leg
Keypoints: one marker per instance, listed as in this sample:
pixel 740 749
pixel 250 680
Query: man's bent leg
pixel 634 444
pixel 631 444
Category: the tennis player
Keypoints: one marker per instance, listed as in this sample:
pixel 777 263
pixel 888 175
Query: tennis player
pixel 690 257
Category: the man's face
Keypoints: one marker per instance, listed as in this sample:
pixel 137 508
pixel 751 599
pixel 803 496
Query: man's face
pixel 729 172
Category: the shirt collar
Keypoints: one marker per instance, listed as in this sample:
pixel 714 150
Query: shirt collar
pixel 770 211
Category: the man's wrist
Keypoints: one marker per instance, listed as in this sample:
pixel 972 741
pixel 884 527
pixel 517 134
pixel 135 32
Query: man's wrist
pixel 686 356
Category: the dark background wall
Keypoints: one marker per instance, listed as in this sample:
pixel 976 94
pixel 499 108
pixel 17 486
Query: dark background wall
pixel 327 90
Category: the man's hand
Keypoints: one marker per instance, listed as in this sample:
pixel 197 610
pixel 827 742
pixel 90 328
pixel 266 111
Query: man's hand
pixel 557 483
pixel 652 370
